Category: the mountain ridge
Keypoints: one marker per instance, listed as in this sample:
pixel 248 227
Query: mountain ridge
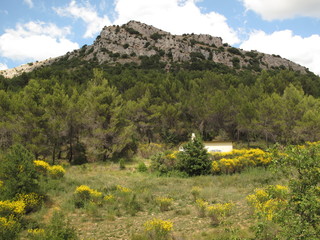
pixel 135 41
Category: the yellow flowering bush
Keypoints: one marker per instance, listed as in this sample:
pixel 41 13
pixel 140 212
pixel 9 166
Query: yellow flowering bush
pixel 12 208
pixel 238 159
pixel 45 168
pixel 218 211
pixel 158 229
pixel 201 206
pixel 164 203
pixel 41 166
pixel 56 171
pixel 84 193
pixel 9 228
pixel 267 202
pixel 32 201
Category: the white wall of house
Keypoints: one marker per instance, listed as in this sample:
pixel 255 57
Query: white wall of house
pixel 218 146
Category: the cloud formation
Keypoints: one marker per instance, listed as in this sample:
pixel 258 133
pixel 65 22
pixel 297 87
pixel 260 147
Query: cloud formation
pixel 283 9
pixel 305 51
pixel 35 41
pixel 29 3
pixel 3 66
pixel 175 16
pixel 88 14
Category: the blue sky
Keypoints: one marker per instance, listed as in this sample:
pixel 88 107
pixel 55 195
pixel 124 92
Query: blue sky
pixel 32 30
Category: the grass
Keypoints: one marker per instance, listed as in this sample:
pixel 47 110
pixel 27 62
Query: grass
pixel 124 219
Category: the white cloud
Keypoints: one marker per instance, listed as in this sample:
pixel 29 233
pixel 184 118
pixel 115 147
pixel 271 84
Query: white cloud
pixel 305 51
pixel 29 3
pixel 88 14
pixel 283 9
pixel 35 41
pixel 3 66
pixel 175 16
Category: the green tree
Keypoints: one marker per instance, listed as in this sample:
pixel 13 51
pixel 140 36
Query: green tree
pixel 194 159
pixel 18 173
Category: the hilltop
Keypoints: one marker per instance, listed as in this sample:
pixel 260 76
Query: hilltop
pixel 137 42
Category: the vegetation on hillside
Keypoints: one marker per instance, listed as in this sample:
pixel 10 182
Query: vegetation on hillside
pixel 82 113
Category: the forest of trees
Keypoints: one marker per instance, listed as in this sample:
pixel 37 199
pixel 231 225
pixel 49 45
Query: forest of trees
pixel 103 112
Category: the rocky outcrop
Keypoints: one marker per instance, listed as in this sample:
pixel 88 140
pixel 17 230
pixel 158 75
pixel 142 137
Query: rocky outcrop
pixel 134 40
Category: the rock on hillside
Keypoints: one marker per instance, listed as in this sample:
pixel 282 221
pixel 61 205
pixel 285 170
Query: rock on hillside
pixel 134 41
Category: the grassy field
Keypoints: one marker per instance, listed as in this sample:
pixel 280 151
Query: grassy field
pixel 124 218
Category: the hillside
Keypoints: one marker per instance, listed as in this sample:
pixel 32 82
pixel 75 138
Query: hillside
pixel 135 42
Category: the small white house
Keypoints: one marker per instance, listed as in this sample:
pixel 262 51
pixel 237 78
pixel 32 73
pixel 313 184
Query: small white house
pixel 216 146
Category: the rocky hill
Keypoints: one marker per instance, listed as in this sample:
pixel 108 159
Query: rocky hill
pixel 135 41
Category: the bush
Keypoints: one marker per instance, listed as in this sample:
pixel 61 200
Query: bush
pixel 9 228
pixel 194 159
pixel 158 229
pixel 56 171
pixel 18 173
pixel 142 167
pixel 57 229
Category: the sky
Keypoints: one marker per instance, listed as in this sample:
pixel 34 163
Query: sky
pixel 34 30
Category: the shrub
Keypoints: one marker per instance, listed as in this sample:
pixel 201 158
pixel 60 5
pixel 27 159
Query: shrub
pixel 84 194
pixel 12 208
pixel 9 228
pixel 56 171
pixel 165 162
pixel 41 166
pixel 142 167
pixel 164 203
pixel 158 229
pixel 156 36
pixel 218 211
pixel 194 159
pixel 57 229
pixel 195 191
pixel 269 201
pixel 201 206
pixel 32 201
pixel 18 173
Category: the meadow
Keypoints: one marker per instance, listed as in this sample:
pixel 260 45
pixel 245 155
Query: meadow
pixel 125 219
pixel 131 199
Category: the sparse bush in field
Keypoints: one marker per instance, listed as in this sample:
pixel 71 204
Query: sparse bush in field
pixel 142 167
pixel 201 206
pixel 56 171
pixel 157 229
pixel 165 162
pixel 122 164
pixel 57 229
pixel 84 194
pixel 164 203
pixel 195 192
pixel 218 211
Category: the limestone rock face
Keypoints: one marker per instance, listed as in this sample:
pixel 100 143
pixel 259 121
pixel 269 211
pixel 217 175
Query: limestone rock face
pixel 133 41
